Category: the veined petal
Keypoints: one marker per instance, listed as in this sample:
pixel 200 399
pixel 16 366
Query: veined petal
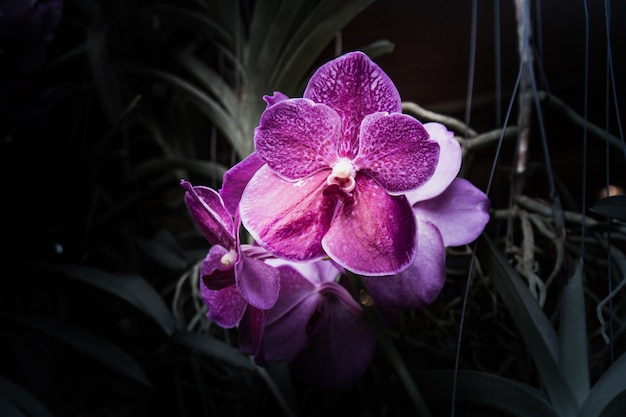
pixel 354 86
pixel 373 233
pixel 207 210
pixel 395 151
pixel 236 179
pixel 213 272
pixel 298 137
pixel 257 282
pixel 288 219
pixel 460 212
pixel 419 284
pixel 226 306
pixel 450 158
pixel 341 348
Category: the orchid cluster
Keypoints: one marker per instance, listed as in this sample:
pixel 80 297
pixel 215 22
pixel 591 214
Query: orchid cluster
pixel 340 182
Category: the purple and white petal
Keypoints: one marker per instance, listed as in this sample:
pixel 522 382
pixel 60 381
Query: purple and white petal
pixel 257 282
pixel 373 233
pixel 354 86
pixel 460 212
pixel 288 219
pixel 419 284
pixel 207 209
pixel 450 158
pixel 396 152
pixel 236 179
pixel 226 306
pixel 298 137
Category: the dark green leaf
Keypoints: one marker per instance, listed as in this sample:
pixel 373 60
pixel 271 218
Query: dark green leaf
pixel 609 393
pixel 613 207
pixel 129 287
pixel 210 346
pixel 19 402
pixel 87 343
pixel 487 390
pixel 533 325
pixel 574 355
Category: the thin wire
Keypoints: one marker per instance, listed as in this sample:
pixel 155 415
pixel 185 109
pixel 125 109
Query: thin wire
pixel 498 61
pixel 472 65
pixel 609 72
pixel 468 104
pixel 585 116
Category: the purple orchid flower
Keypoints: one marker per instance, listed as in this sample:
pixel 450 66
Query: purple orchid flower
pixel 236 283
pixel 449 211
pixel 337 164
pixel 318 326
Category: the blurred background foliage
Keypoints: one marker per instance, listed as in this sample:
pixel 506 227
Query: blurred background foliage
pixel 105 105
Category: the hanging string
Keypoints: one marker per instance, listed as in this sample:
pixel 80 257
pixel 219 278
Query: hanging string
pixel 609 77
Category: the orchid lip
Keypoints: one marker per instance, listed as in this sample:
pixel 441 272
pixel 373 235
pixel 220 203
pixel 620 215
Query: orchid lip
pixel 343 175
pixel 229 258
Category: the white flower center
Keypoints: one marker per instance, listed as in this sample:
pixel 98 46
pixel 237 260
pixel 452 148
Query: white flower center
pixel 343 175
pixel 229 258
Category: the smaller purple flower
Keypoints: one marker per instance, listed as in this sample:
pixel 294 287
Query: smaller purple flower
pixel 449 211
pixel 318 326
pixel 236 283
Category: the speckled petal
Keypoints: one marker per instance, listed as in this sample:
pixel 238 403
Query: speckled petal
pixel 288 219
pixel 236 179
pixel 372 233
pixel 450 158
pixel 226 306
pixel 354 86
pixel 207 210
pixel 297 137
pixel 396 152
pixel 419 284
pixel 460 212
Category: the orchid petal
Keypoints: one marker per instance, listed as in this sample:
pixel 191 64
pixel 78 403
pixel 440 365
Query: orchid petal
pixel 373 233
pixel 213 272
pixel 287 323
pixel 226 306
pixel 289 219
pixel 419 284
pixel 460 212
pixel 207 210
pixel 276 98
pixel 450 158
pixel 396 152
pixel 251 329
pixel 354 86
pixel 236 179
pixel 341 349
pixel 297 137
pixel 257 282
